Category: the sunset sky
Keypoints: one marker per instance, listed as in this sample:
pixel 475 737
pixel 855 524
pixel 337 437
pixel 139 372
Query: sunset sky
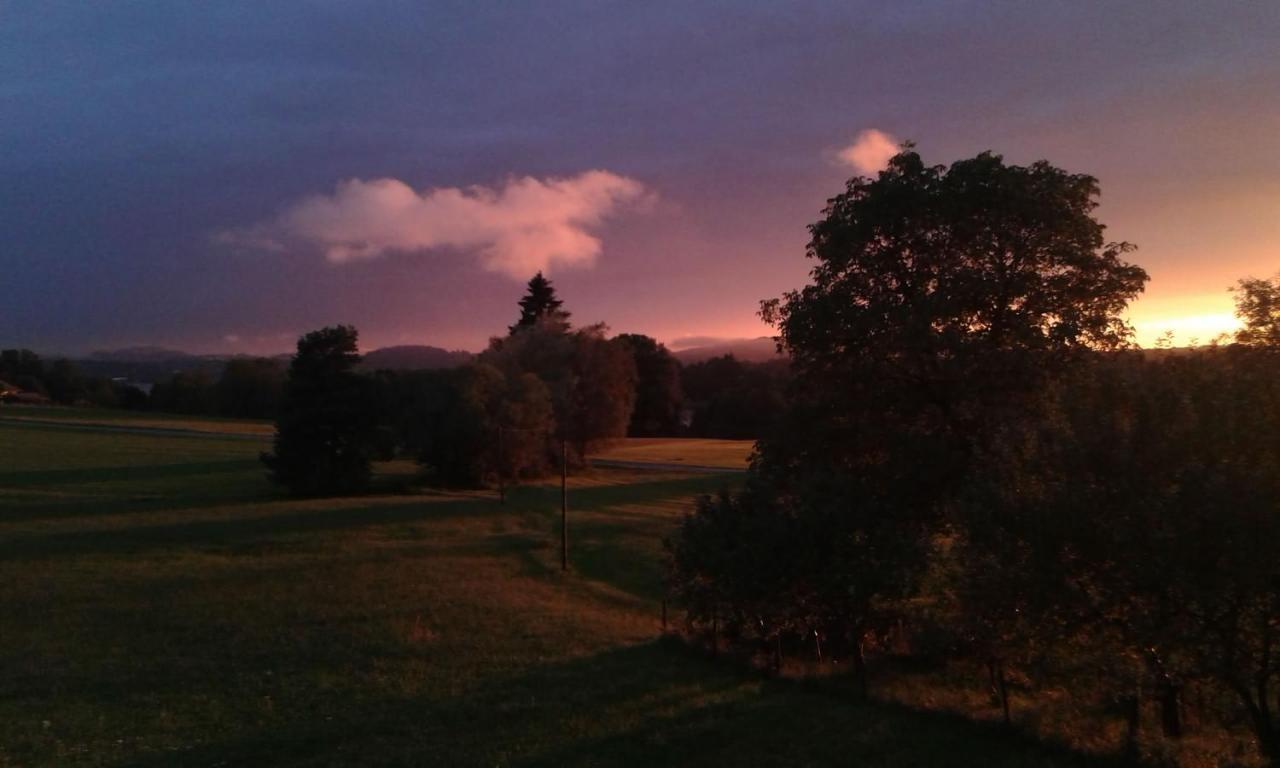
pixel 222 177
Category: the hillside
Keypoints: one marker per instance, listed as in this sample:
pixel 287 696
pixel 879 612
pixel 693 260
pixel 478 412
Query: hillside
pixel 759 350
pixel 413 358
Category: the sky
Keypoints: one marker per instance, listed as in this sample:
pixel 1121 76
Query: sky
pixel 221 177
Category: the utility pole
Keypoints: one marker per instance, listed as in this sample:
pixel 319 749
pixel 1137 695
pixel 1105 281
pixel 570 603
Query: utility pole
pixel 502 470
pixel 564 504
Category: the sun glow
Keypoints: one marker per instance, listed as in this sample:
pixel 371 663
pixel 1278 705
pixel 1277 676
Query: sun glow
pixel 1188 320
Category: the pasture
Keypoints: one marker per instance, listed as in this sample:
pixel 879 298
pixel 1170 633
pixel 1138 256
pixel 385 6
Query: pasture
pixel 162 604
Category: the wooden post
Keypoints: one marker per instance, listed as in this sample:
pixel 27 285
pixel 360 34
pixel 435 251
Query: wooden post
pixel 564 504
pixel 502 470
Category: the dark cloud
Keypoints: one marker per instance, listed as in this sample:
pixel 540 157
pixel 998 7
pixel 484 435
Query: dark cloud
pixel 133 132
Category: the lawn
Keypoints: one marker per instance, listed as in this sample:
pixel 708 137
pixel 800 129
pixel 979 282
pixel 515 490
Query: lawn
pixel 163 605
pixel 116 418
pixel 730 454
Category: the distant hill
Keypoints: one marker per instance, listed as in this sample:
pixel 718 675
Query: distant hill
pixel 413 358
pixel 140 355
pixel 759 350
pixel 148 364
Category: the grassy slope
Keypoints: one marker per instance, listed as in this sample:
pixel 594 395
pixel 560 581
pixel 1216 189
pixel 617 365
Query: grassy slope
pixel 179 612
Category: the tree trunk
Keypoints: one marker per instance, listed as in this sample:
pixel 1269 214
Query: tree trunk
pixel 859 671
pixel 1004 692
pixel 1170 709
pixel 1132 706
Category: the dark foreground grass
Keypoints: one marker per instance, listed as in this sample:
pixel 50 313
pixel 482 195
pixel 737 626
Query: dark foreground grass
pixel 161 605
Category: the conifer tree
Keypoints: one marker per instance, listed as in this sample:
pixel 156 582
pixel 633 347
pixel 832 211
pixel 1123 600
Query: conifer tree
pixel 540 303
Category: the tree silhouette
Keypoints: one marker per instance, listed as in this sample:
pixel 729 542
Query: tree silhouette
pixel 1258 307
pixel 539 304
pixel 327 424
pixel 942 301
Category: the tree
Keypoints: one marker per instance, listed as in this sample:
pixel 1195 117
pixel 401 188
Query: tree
pixel 590 378
pixel 184 392
pixel 658 392
pixel 474 425
pixel 735 400
pixel 325 433
pixel 65 383
pixel 540 304
pixel 945 294
pixel 250 388
pixel 1258 307
pixel 942 301
pixel 603 392
pixel 21 362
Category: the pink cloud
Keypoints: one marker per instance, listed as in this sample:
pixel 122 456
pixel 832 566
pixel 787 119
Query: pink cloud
pixel 870 152
pixel 518 228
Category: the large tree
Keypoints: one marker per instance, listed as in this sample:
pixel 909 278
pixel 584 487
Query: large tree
pixel 540 304
pixel 326 428
pixel 943 292
pixel 940 300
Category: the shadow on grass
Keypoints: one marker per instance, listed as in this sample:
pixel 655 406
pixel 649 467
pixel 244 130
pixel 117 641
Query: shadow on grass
pixel 222 533
pixel 126 474
pixel 532 501
pixel 660 703
pixel 605 550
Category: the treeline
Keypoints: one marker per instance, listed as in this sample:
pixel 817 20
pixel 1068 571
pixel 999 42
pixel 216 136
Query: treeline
pixel 544 393
pixel 971 469
pixel 61 381
pixel 718 398
pixel 246 387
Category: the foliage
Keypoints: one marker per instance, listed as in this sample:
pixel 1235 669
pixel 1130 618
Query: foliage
pixel 185 392
pixel 590 378
pixel 1258 307
pixel 473 425
pixel 540 305
pixel 326 430
pixel 658 392
pixel 735 400
pixel 942 302
pixel 603 391
pixel 250 388
pixel 64 383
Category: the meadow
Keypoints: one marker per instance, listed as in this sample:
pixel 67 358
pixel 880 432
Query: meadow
pixel 162 604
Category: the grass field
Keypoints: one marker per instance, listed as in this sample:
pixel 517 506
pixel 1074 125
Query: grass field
pixel 730 454
pixel 161 604
pixel 109 417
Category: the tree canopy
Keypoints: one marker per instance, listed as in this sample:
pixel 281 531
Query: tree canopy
pixel 1258 307
pixel 941 298
pixel 941 301
pixel 326 428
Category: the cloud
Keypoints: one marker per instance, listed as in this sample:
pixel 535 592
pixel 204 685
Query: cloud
pixel 522 226
pixel 870 152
